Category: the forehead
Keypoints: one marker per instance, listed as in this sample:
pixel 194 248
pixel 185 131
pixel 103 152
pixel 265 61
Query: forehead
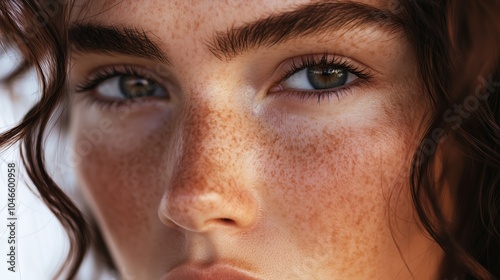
pixel 189 13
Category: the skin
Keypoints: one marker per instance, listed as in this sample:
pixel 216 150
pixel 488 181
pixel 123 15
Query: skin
pixel 225 171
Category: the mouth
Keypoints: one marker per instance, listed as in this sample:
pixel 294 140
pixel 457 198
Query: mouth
pixel 211 272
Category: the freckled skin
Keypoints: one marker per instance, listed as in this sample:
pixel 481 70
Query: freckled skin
pixel 224 172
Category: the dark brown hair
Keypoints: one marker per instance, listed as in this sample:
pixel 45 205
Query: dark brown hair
pixel 457 44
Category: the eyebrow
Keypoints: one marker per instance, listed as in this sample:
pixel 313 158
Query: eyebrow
pixel 306 20
pixel 97 38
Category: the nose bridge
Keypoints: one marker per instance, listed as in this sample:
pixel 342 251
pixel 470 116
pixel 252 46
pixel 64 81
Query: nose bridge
pixel 208 185
pixel 212 140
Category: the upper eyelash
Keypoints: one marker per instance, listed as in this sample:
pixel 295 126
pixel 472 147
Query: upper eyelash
pixel 326 60
pixel 297 65
pixel 104 74
pixel 364 74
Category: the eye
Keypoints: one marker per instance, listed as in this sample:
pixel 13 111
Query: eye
pixel 129 87
pixel 122 83
pixel 320 77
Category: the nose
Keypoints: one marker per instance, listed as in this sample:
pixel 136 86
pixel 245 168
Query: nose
pixel 211 185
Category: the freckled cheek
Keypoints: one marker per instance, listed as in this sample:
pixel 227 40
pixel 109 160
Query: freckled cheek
pixel 329 190
pixel 121 175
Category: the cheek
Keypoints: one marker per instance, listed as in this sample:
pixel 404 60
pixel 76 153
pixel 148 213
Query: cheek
pixel 332 188
pixel 119 175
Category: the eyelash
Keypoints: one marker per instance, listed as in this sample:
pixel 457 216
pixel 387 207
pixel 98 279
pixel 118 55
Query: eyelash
pixel 104 74
pixel 326 60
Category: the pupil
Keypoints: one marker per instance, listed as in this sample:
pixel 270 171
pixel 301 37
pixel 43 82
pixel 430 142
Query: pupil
pixel 325 77
pixel 133 87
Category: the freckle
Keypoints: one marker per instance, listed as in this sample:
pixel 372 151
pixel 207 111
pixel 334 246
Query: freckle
pixel 196 25
pixel 375 250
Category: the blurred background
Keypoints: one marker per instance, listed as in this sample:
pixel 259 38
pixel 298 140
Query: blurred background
pixel 42 243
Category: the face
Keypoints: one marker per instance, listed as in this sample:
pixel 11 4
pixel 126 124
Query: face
pixel 271 138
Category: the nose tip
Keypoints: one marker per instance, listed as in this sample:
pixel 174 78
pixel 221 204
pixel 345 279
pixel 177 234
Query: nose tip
pixel 211 183
pixel 205 212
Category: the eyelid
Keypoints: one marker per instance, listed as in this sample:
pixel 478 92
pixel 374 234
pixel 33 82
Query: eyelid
pixel 96 77
pixel 295 64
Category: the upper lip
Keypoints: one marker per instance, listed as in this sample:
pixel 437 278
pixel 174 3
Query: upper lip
pixel 207 272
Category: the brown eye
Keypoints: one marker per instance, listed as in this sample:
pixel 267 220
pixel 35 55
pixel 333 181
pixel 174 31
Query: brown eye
pixel 325 77
pixel 130 87
pixel 135 87
pixel 319 77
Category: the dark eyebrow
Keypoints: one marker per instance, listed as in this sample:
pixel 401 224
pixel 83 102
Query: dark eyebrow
pixel 113 40
pixel 310 19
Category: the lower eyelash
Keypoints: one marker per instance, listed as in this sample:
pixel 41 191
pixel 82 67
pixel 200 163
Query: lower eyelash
pixel 91 99
pixel 323 94
pixel 104 74
pixel 364 75
pixel 305 61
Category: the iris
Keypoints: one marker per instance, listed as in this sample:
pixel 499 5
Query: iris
pixel 134 87
pixel 326 77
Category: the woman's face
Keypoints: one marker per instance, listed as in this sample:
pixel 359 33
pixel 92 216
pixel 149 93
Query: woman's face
pixel 267 137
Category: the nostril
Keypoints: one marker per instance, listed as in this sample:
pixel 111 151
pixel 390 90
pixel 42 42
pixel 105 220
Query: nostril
pixel 227 221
